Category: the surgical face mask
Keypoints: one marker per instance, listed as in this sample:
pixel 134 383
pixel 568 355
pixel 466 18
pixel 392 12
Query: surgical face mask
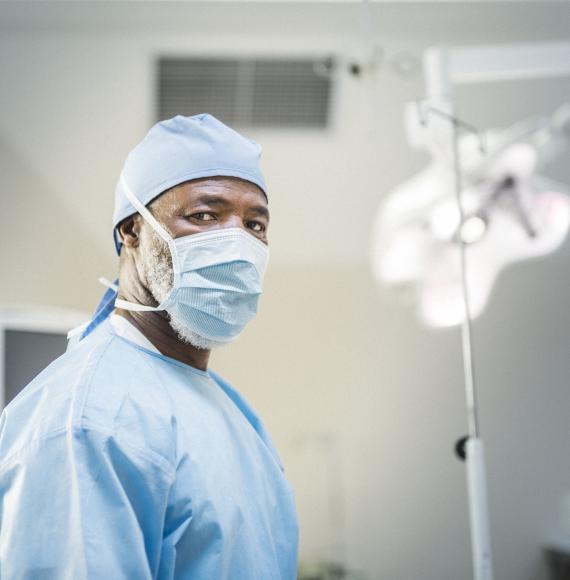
pixel 215 281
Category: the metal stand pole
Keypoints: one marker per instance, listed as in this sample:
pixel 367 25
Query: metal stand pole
pixel 474 453
pixel 476 476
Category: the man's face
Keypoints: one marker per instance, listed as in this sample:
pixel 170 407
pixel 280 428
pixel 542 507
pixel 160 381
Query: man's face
pixel 190 208
pixel 213 203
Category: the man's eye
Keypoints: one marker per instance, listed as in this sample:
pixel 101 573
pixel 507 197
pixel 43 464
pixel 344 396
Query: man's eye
pixel 256 226
pixel 204 216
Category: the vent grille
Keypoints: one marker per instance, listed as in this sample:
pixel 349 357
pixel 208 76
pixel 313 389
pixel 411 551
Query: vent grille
pixel 246 93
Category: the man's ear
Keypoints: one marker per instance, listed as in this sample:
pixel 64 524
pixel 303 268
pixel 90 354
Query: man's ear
pixel 129 231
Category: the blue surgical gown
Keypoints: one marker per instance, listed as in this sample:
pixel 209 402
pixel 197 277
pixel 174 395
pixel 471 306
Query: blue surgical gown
pixel 119 463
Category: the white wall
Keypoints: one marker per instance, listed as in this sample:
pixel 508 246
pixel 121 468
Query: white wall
pixel 365 404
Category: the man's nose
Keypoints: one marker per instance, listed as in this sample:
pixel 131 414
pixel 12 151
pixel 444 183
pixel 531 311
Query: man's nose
pixel 234 221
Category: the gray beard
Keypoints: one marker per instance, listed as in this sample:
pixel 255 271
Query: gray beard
pixel 157 271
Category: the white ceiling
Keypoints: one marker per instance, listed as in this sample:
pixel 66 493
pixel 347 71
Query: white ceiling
pixel 537 17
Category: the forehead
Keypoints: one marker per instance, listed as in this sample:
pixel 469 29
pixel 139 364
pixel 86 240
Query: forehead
pixel 230 189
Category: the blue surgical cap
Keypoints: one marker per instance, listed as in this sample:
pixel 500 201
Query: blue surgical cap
pixel 180 149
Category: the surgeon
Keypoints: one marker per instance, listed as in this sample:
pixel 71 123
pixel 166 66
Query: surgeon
pixel 127 458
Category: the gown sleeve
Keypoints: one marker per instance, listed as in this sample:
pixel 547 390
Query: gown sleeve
pixel 82 504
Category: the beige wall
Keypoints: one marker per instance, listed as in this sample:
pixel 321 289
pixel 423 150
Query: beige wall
pixel 363 402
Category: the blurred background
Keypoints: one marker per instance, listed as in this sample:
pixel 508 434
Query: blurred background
pixel 364 402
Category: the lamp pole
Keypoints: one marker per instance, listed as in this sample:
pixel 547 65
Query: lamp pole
pixel 474 452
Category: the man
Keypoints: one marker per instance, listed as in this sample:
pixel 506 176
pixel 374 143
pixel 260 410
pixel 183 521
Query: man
pixel 127 458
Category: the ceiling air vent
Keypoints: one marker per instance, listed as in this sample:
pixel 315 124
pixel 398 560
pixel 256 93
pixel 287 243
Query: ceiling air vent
pixel 247 93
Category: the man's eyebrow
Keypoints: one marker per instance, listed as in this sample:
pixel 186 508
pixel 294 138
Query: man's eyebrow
pixel 211 200
pixel 260 209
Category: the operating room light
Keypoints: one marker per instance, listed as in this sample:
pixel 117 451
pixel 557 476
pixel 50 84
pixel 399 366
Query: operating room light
pixel 444 221
pixel 509 215
pixel 518 215
pixel 473 229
